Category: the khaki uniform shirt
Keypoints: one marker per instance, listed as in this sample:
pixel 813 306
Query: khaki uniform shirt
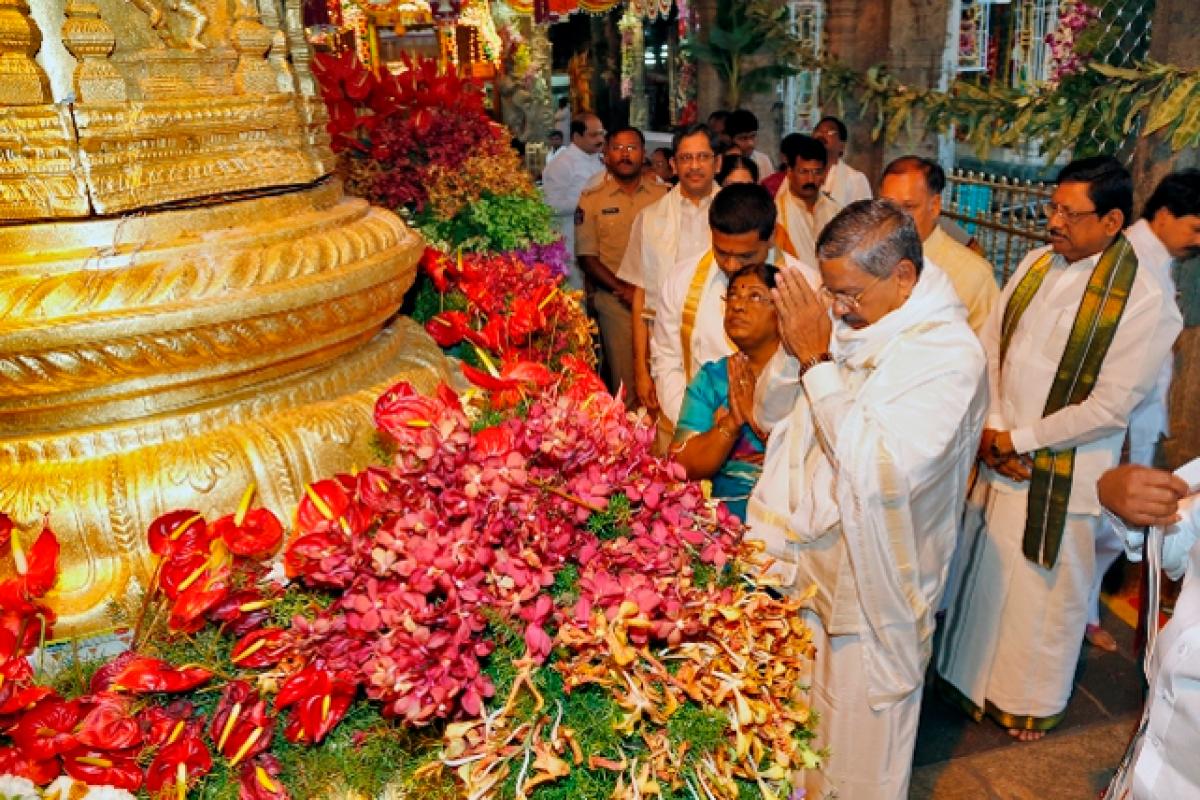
pixel 605 218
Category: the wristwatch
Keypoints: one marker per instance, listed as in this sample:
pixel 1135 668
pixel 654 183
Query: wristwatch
pixel 809 363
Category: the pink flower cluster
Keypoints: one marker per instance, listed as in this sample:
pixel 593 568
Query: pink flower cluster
pixel 1065 58
pixel 468 525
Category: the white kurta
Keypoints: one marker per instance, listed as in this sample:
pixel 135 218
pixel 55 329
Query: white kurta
pixel 708 342
pixel 1013 629
pixel 845 184
pixel 1163 761
pixel 671 230
pixel 804 226
pixel 563 180
pixel 861 496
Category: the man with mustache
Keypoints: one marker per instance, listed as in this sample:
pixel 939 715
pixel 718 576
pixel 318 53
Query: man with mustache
pixel 671 230
pixel 603 223
pixel 843 182
pixel 864 481
pixel 804 207
pixel 1169 230
pixel 1076 341
pixel 689 326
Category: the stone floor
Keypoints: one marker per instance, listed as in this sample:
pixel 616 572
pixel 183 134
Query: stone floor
pixel 957 759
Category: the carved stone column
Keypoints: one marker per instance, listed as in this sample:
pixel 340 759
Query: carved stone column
pixel 22 81
pixel 90 40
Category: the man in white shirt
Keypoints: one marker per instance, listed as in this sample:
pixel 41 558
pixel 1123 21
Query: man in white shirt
pixel 843 182
pixel 741 126
pixel 864 481
pixel 672 230
pixel 804 207
pixel 915 184
pixel 1161 760
pixel 689 325
pixel 1169 229
pixel 565 177
pixel 1075 343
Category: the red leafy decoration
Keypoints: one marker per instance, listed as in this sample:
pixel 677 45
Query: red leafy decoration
pixel 142 674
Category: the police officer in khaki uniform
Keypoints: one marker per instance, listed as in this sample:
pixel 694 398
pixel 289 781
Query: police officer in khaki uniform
pixel 602 224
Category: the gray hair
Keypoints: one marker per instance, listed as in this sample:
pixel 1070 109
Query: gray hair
pixel 875 234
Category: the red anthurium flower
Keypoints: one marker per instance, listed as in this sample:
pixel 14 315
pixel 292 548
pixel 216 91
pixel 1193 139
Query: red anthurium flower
pixel 449 327
pixel 176 531
pixel 240 726
pixel 257 535
pixel 524 319
pixel 401 409
pixel 509 387
pixel 167 724
pixel 104 768
pixel 261 648
pixel 318 558
pixel 188 612
pixel 142 674
pixel 37 568
pixel 259 780
pixel 23 617
pixel 320 702
pixel 439 267
pixel 329 503
pixel 492 336
pixel 176 766
pixel 183 569
pixel 244 610
pixel 13 761
pixel 47 729
pixel 109 724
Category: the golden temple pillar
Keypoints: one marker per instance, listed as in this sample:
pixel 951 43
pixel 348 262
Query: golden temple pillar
pixel 188 302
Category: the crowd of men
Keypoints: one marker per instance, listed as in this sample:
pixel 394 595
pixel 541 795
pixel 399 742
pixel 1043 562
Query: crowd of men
pixel 934 442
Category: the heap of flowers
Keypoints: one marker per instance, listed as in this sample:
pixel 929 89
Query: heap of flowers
pixel 420 143
pixel 503 309
pixel 523 603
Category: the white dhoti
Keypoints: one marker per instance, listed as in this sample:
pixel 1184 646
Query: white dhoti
pixel 1014 630
pixel 870 752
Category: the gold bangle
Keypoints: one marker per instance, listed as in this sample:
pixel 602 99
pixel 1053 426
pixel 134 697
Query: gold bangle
pixel 727 433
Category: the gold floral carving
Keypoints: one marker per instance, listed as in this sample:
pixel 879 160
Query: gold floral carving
pixel 146 116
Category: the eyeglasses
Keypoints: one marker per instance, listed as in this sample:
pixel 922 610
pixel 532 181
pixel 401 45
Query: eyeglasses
pixel 1052 210
pixel 816 173
pixel 848 301
pixel 694 158
pixel 624 148
pixel 753 298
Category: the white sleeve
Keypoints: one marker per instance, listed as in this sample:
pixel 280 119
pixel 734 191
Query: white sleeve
pixel 1144 337
pixel 631 269
pixel 666 351
pixel 861 190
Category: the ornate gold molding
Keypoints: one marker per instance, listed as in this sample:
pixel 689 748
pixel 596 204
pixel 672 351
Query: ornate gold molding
pixel 169 359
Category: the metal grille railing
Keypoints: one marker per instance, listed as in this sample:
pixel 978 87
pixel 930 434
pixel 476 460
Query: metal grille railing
pixel 1122 40
pixel 1004 215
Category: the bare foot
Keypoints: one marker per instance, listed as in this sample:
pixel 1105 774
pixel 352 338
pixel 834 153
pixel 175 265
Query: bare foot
pixel 1025 736
pixel 1098 637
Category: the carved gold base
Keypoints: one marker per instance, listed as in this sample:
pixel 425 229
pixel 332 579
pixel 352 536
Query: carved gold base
pixel 170 360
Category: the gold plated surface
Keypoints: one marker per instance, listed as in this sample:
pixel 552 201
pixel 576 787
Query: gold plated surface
pixel 171 359
pixel 138 103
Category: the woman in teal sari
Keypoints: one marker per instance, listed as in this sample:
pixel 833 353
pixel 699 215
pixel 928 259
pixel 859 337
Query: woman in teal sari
pixel 717 437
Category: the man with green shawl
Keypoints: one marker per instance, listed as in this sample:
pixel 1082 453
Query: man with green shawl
pixel 1076 341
